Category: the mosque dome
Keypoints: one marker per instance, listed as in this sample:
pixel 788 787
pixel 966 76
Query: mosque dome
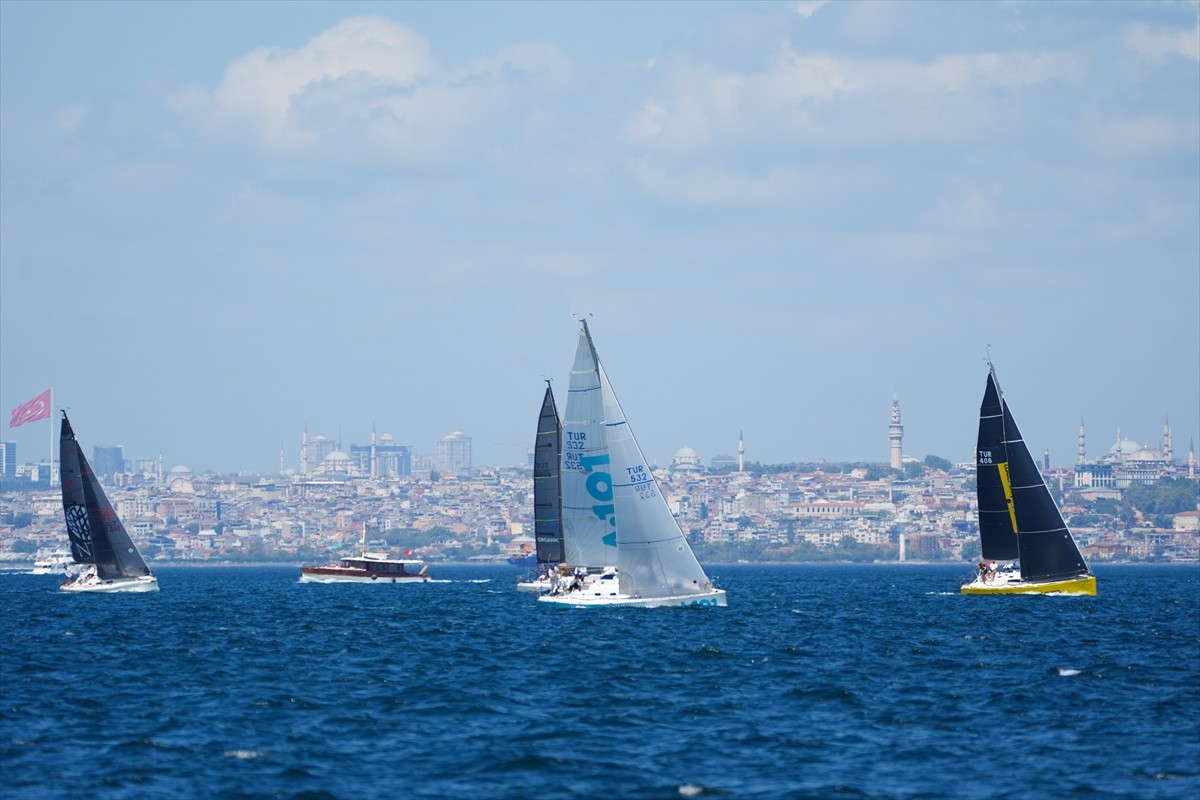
pixel 179 470
pixel 686 459
pixel 1124 447
pixel 337 461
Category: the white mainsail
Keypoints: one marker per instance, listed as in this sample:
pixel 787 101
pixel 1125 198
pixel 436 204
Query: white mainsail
pixel 589 538
pixel 653 557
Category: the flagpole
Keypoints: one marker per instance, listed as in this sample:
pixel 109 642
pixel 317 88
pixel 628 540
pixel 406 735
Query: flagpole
pixel 51 478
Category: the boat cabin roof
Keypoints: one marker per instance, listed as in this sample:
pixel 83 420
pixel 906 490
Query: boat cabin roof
pixel 370 559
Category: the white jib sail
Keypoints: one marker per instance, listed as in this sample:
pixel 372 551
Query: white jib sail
pixel 587 505
pixel 653 557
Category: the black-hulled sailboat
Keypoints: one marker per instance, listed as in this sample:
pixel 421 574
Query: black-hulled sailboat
pixel 547 495
pixel 1020 525
pixel 98 538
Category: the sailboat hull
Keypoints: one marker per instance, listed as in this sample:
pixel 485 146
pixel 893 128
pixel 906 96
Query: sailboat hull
pixel 1083 584
pixel 537 587
pixel 716 597
pixel 147 583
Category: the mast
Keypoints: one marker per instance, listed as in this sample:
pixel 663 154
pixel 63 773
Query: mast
pixel 50 477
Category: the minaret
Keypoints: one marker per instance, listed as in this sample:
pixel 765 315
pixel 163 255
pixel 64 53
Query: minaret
pixel 374 467
pixel 1191 459
pixel 1120 451
pixel 741 453
pixel 1082 448
pixel 1168 454
pixel 1046 461
pixel 281 458
pixel 160 471
pixel 896 434
pixel 304 450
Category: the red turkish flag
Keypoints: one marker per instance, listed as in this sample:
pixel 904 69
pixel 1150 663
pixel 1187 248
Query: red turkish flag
pixel 35 409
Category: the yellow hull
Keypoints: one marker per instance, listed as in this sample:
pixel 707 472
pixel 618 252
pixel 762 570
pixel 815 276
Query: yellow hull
pixel 1084 584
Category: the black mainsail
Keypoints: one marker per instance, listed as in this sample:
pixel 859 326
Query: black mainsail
pixel 1018 518
pixel 547 484
pixel 96 533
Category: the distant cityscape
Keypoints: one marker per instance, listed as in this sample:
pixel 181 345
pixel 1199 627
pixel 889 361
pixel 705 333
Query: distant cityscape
pixel 444 508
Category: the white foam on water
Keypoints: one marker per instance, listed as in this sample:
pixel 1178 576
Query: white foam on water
pixel 1068 672
pixel 243 754
pixel 690 790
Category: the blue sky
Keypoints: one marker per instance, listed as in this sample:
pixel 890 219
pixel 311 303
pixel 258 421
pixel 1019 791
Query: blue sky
pixel 220 221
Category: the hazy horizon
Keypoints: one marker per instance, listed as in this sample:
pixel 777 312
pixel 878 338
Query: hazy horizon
pixel 221 222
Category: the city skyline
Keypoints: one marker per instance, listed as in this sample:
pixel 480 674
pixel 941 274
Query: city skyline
pixel 220 221
pixel 1095 446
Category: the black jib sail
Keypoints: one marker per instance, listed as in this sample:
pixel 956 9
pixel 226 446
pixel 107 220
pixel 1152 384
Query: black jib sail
pixel 547 484
pixel 1018 518
pixel 96 533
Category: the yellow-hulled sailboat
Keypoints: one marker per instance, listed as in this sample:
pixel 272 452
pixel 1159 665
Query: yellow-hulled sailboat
pixel 1027 547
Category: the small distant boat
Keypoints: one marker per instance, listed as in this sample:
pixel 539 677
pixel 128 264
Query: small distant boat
pixel 98 538
pixel 56 562
pixel 547 498
pixel 367 567
pixel 523 560
pixel 611 502
pixel 1027 547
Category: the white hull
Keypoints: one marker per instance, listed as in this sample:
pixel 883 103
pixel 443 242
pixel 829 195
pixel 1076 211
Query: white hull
pixel 538 587
pixel 307 578
pixel 716 597
pixel 148 583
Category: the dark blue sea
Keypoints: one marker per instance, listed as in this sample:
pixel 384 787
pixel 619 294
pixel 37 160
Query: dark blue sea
pixel 816 682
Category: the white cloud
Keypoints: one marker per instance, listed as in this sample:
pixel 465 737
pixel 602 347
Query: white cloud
pixel 360 55
pixel 806 8
pixel 696 106
pixel 369 85
pixel 1158 44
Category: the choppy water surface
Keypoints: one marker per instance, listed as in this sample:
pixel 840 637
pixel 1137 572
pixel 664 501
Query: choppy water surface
pixel 817 681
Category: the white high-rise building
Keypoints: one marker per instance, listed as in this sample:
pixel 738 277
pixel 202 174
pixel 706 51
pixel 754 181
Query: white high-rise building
pixel 454 453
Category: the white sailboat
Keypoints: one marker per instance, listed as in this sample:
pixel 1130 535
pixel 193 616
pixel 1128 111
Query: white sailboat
pixel 615 520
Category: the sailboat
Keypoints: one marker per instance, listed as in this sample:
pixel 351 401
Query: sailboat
pixel 98 538
pixel 615 520
pixel 1019 522
pixel 547 496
